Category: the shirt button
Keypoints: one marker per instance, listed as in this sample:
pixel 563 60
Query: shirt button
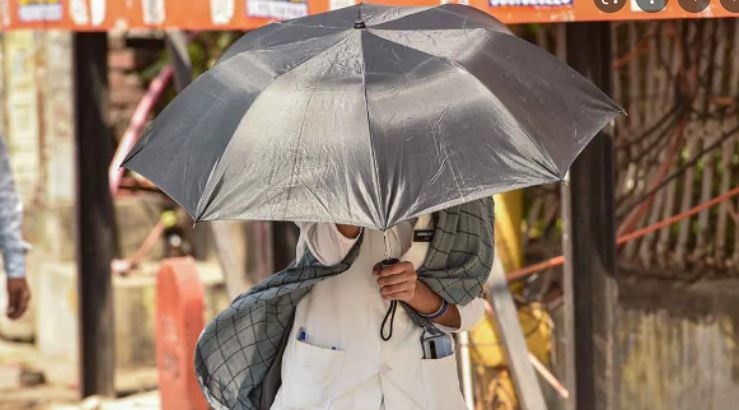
pixel 385 369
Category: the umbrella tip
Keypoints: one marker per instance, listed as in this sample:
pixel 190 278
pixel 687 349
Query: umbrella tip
pixel 359 23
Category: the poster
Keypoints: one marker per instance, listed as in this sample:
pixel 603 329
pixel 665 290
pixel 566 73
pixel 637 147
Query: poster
pixel 153 11
pixel 221 11
pixel 277 9
pixel 528 3
pixel 86 12
pixel 4 14
pixel 250 14
pixel 30 11
pixel 339 4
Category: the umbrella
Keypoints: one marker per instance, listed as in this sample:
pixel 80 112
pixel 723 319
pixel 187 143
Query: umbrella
pixel 369 115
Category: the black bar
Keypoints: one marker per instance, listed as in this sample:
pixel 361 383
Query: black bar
pixel 284 240
pixel 95 221
pixel 590 237
pixel 177 45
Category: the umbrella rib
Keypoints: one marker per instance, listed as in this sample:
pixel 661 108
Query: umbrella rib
pixel 296 157
pixel 396 18
pixel 441 145
pixel 550 166
pixel 290 44
pixel 441 9
pixel 207 189
pixel 376 167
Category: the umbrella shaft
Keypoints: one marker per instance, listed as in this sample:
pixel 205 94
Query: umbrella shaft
pixel 387 257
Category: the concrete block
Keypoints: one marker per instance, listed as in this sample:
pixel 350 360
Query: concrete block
pixel 136 215
pixel 56 312
pixel 57 243
pixel 134 310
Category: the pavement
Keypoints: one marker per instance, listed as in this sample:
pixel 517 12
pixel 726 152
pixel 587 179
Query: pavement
pixel 141 401
pixel 29 381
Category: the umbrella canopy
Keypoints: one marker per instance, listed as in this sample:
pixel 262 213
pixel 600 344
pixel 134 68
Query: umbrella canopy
pixel 370 115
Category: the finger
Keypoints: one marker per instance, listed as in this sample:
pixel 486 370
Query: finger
pixel 400 287
pixel 23 303
pixel 405 295
pixel 396 269
pixel 13 300
pixel 392 280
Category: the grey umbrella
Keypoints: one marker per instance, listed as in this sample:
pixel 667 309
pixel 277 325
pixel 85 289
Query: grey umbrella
pixel 369 115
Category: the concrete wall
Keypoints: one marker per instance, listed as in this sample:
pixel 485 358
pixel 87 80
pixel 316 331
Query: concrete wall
pixel 675 347
pixel 676 344
pixel 37 109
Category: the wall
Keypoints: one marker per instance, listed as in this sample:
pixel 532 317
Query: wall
pixel 37 110
pixel 677 344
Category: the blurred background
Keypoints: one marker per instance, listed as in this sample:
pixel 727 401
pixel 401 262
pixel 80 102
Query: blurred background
pixel 655 325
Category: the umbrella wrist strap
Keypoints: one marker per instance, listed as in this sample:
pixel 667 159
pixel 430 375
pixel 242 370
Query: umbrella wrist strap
pixel 389 315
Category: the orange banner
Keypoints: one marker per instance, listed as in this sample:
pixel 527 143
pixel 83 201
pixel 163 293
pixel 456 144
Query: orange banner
pixel 96 15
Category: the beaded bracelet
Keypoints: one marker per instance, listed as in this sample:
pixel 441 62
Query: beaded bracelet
pixel 440 312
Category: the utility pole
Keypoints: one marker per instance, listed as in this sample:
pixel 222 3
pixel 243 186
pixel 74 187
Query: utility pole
pixel 95 221
pixel 590 238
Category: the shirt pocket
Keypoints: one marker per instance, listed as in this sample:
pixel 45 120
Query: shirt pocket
pixel 310 374
pixel 441 383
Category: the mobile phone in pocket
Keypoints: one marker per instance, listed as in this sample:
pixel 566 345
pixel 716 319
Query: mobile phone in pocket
pixel 436 346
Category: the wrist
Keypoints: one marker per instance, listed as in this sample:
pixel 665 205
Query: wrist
pixel 425 301
pixel 441 311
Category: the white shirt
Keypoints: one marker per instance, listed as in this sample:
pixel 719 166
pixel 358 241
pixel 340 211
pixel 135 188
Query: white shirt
pixel 343 363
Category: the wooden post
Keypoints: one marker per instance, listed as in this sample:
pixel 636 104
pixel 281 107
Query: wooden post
pixel 260 256
pixel 177 45
pixel 589 243
pixel 231 249
pixel 95 222
pixel 284 240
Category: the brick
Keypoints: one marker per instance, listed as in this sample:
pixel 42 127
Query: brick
pixel 126 96
pixel 116 79
pixel 122 59
pixel 133 80
pixel 31 377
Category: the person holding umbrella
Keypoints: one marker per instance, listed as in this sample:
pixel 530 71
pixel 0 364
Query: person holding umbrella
pixel 377 129
pixel 342 354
